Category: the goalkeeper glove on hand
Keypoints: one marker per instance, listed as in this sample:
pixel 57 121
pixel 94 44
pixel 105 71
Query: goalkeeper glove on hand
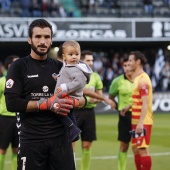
pixel 75 101
pixel 59 103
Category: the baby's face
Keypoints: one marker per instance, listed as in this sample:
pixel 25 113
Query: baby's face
pixel 71 55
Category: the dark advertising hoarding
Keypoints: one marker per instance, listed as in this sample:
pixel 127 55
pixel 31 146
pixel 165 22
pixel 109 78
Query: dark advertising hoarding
pixel 91 29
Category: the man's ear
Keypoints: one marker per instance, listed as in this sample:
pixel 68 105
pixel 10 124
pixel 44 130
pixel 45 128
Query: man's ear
pixel 29 40
pixel 138 61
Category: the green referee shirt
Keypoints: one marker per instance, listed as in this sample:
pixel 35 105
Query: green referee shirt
pixel 122 88
pixel 3 110
pixel 94 84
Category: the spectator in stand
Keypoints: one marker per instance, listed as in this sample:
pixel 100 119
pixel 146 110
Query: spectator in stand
pixel 62 11
pixel 25 6
pixel 109 77
pixel 6 5
pixel 36 8
pixel 93 5
pixel 115 69
pixel 98 65
pixel 148 6
pixel 54 10
pixel 165 74
pixel 147 69
pixel 46 7
pixel 115 59
pixel 158 66
pixel 112 4
pixel 166 2
pixel 56 2
pixel 70 13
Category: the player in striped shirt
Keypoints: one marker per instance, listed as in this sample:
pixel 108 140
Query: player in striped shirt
pixel 142 116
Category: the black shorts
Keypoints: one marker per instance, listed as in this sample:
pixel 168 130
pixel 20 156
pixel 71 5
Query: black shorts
pixel 8 132
pixel 52 154
pixel 124 128
pixel 87 123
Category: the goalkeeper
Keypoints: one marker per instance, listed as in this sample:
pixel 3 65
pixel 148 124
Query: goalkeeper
pixel 29 92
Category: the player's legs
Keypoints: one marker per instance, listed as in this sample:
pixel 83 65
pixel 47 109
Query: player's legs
pixel 14 145
pixel 8 132
pixel 52 154
pixel 122 155
pixel 124 127
pixel 2 158
pixel 86 155
pixel 142 158
pixel 88 135
pixel 86 122
pixel 14 158
pixel 61 155
pixel 137 157
pixel 3 142
pixel 140 147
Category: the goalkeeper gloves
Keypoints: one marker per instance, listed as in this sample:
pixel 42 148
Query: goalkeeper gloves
pixel 60 103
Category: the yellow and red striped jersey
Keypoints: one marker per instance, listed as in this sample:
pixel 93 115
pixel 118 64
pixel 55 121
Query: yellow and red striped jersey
pixel 142 87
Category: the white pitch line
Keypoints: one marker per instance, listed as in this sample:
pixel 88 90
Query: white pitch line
pixel 115 157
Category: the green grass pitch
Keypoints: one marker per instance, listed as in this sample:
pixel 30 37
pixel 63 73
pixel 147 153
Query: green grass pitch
pixel 105 149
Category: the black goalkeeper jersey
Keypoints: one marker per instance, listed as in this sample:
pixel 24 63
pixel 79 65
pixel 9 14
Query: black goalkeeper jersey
pixel 32 79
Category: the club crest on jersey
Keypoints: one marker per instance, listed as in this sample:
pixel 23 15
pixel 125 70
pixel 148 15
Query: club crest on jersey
pixel 9 83
pixel 145 88
pixel 45 88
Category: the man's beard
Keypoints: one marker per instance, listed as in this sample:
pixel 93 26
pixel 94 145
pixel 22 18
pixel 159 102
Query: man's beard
pixel 41 54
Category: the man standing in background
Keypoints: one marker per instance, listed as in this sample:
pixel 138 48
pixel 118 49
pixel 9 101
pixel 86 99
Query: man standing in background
pixel 86 116
pixel 121 87
pixel 142 116
pixel 8 129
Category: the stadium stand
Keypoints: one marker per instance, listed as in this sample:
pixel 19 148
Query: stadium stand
pixel 98 8
pixel 83 8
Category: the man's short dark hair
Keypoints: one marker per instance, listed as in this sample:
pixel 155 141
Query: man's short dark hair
pixel 125 59
pixel 9 60
pixel 84 53
pixel 42 23
pixel 139 55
